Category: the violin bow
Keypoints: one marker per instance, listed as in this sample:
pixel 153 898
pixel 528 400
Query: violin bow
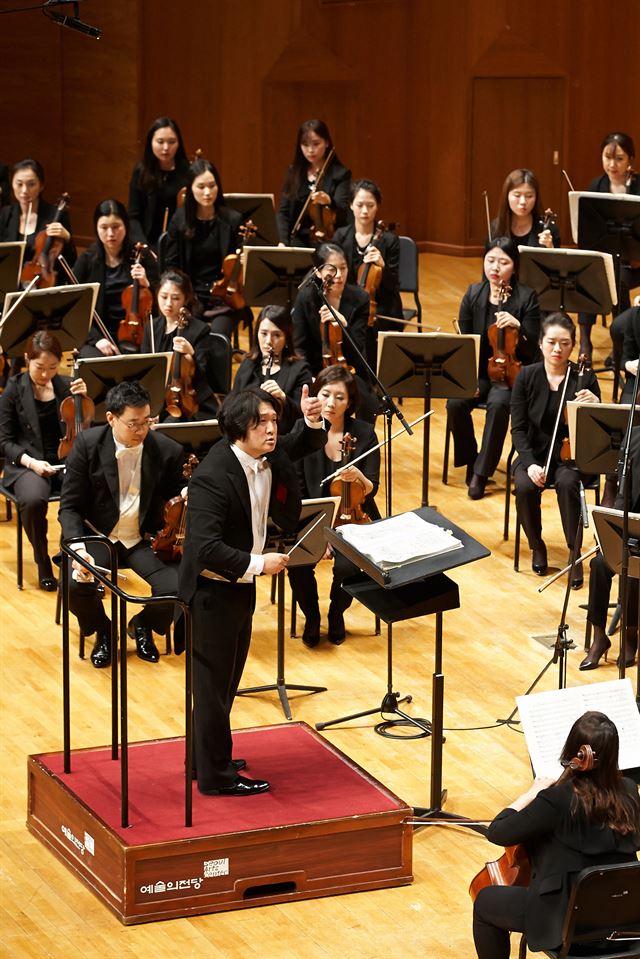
pixel 316 187
pixel 557 422
pixel 374 448
pixel 486 210
pixel 74 279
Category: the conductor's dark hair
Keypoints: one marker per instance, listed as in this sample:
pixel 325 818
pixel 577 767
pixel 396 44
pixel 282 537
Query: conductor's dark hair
pixel 508 246
pixel 127 393
pixel 197 168
pixel 558 319
pixel 338 374
pixel 28 164
pixel 240 411
pixel 149 172
pixel 367 185
pixel 43 342
pixel 622 140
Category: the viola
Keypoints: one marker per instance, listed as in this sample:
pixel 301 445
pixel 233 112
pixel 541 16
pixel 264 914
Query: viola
pixel 47 249
pixel 137 301
pixel 76 412
pixel 323 218
pixel 352 495
pixel 565 449
pixel 230 286
pixel 168 542
pixel 180 396
pixel 370 274
pixel 503 367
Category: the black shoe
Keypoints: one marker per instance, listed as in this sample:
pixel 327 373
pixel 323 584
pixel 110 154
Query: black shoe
pixel 337 632
pixel 145 646
pixel 477 486
pixel 241 787
pixel 101 652
pixel 577 580
pixel 311 633
pixel 49 584
pixel 600 645
pixel 539 559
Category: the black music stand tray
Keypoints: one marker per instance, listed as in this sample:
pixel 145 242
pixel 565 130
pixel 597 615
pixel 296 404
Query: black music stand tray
pixel 596 433
pixel 416 589
pixel 65 311
pixel 197 437
pixel 272 274
pixel 307 554
pixel 11 256
pixel 428 365
pixel 608 222
pixel 103 372
pixel 260 209
pixel 573 281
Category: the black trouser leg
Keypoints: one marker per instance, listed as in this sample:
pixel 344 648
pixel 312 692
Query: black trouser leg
pixel 495 429
pixel 304 587
pixel 528 505
pixel 497 911
pixel 460 422
pixel 32 492
pixel 163 580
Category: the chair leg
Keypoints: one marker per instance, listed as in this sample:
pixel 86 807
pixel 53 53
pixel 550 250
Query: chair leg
pixel 522 951
pixel 7 504
pixel 167 637
pixel 19 547
pixel 294 611
pixel 58 606
pixel 81 645
pixel 273 590
pixel 445 458
pixel 377 632
pixel 516 552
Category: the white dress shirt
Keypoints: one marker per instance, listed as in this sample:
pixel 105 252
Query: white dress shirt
pixel 127 529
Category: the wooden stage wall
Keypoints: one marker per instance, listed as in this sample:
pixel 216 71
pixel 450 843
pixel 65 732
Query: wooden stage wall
pixel 435 102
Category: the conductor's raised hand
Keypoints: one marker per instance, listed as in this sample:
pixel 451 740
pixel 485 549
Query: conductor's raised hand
pixel 274 563
pixel 310 405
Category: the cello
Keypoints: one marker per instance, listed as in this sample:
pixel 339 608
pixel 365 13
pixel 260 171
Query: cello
pixel 230 287
pixel 352 495
pixel 503 367
pixel 137 301
pixel 46 251
pixel 180 396
pixel 370 274
pixel 76 412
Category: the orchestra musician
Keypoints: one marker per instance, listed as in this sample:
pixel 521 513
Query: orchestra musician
pixel 337 391
pixel 630 320
pixel 274 366
pixel 29 436
pixel 118 478
pixel 313 144
pixel 201 234
pixel 521 213
pixel 590 816
pixel 535 402
pixel 479 309
pixel 156 181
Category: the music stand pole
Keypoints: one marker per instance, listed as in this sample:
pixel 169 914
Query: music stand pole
pixel 625 484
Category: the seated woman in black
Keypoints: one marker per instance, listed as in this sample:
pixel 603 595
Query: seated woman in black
pixel 590 816
pixel 521 213
pixel 201 234
pixel 336 388
pixel 311 318
pixel 26 218
pixel 107 262
pixel 478 311
pixel 30 431
pixel 360 246
pixel 156 181
pixel 313 144
pixel 534 406
pixel 273 365
pixel 162 335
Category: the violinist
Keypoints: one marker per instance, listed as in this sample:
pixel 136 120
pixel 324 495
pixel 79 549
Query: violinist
pixel 521 213
pixel 29 437
pixel 107 262
pixel 362 245
pixel 535 402
pixel 337 390
pixel 313 144
pixel 631 347
pixel 162 335
pixel 201 234
pixel 590 816
pixel 31 214
pixel 273 365
pixel 156 181
pixel 481 307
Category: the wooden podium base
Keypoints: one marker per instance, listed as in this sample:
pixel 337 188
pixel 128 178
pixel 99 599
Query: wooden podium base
pixel 252 857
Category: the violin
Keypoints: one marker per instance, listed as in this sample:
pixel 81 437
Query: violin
pixel 180 396
pixel 137 301
pixel 565 449
pixel 46 251
pixel 370 274
pixel 352 495
pixel 168 542
pixel 323 218
pixel 230 287
pixel 76 412
pixel 547 219
pixel 503 367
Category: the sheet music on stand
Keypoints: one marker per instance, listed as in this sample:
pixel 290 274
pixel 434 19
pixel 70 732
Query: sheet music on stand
pixel 547 718
pixel 401 539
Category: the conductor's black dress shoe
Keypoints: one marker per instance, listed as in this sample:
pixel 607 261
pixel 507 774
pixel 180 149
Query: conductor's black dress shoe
pixel 145 646
pixel 241 787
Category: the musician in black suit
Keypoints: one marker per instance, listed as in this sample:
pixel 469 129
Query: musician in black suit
pixel 244 478
pixel 156 181
pixel 589 817
pixel 117 480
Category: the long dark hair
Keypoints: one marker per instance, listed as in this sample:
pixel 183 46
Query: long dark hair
pixel 297 174
pixel 599 791
pixel 197 168
pixel 515 179
pixel 149 172
pixel 111 208
pixel 280 317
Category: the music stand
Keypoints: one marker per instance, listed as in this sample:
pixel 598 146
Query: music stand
pixel 596 433
pixel 260 209
pixel 428 365
pixel 197 437
pixel 151 370
pixel 609 222
pixel 608 525
pixel 65 311
pixel 569 280
pixel 415 589
pixel 11 256
pixel 272 274
pixel 309 553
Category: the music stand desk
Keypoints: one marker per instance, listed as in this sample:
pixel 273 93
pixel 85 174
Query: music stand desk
pixel 260 209
pixel 596 434
pixel 11 257
pixel 272 274
pixel 569 280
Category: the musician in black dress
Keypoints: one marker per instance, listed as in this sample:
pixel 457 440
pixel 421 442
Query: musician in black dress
pixel 590 816
pixel 535 402
pixel 313 145
pixel 156 181
pixel 201 234
pixel 273 365
pixel 336 388
pixel 521 213
pixel 481 307
pixel 362 245
pixel 30 431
